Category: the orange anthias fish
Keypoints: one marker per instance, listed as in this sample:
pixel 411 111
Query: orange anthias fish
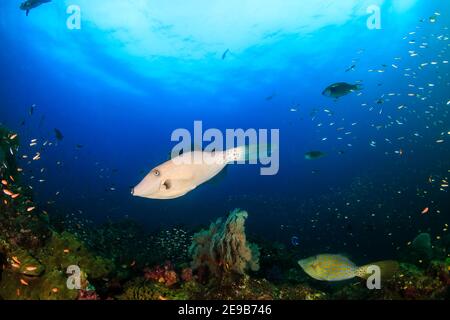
pixel 426 210
pixel 31 268
pixel 23 282
pixel 16 260
pixel 7 192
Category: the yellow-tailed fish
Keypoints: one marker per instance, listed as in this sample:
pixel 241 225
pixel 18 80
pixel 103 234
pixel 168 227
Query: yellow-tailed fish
pixel 334 267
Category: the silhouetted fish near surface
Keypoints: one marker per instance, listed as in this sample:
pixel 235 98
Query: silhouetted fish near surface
pixel 59 136
pixel 32 109
pixel 271 97
pixel 312 155
pixel 351 68
pixel 31 4
pixel 224 55
pixel 340 89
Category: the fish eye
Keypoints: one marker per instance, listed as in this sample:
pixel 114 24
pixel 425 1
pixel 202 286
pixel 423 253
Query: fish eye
pixel 156 172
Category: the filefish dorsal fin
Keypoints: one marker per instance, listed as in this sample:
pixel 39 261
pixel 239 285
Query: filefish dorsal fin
pixel 194 147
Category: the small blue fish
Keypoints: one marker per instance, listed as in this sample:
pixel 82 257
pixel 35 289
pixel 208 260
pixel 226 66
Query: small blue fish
pixel 295 241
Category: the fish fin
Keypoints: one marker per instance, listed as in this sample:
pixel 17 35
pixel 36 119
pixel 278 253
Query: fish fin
pixel 180 184
pixel 358 86
pixel 28 11
pixel 388 269
pixel 194 147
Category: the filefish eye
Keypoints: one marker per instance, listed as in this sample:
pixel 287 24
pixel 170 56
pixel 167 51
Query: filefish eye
pixel 156 172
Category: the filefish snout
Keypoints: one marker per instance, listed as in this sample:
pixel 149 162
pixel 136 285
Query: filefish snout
pixel 150 185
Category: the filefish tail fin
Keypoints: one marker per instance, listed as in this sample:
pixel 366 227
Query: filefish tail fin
pixel 388 269
pixel 250 153
pixel 28 11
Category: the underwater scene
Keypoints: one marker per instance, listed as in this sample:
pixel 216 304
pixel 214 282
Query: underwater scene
pixel 224 150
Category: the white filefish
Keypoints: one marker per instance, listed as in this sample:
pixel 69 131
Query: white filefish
pixel 183 173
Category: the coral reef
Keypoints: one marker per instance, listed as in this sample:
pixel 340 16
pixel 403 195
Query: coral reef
pixel 421 246
pixel 127 243
pixel 411 283
pixel 223 248
pixel 164 274
pixel 142 289
pixel 423 250
pixel 216 263
pixel 42 273
pixel 20 223
pixel 88 295
pixel 187 275
pixel 249 288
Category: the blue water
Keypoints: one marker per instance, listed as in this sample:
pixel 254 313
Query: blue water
pixel 137 70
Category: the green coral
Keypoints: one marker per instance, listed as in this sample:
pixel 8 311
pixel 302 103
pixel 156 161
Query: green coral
pixel 51 286
pixel 65 249
pixel 223 248
pixel 29 266
pixel 422 247
pixel 49 279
